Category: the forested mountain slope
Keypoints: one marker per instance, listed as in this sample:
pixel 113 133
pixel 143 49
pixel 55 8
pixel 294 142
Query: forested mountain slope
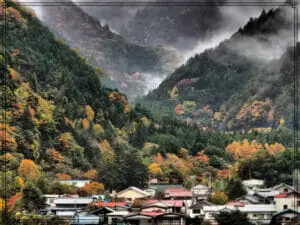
pixel 244 82
pixel 125 64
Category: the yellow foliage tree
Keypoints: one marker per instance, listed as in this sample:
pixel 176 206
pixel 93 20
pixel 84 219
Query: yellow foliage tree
pixel 89 112
pixel 85 123
pixel 218 116
pixel 90 174
pixel 98 129
pixel 106 150
pixel 2 204
pixel 155 170
pixel 45 110
pixel 66 139
pixel 219 198
pixel 146 122
pixel 28 170
pixel 173 93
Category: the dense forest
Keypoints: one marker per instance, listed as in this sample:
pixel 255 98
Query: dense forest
pixel 59 122
pixel 234 86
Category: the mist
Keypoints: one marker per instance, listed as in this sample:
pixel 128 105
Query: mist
pixel 234 17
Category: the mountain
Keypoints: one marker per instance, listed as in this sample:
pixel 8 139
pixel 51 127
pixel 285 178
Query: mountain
pixel 127 66
pixel 220 87
pixel 146 24
pixel 55 110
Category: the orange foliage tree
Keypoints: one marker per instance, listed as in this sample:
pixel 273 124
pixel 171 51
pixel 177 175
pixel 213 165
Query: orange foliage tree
pixel 6 137
pixel 93 188
pixel 28 170
pixel 246 149
pixel 90 174
pixel 63 176
pixel 55 155
pixel 89 112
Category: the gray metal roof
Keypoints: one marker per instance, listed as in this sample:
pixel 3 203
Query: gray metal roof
pixel 72 200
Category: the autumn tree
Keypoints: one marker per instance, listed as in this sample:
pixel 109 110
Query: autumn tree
pixel 93 188
pixel 219 198
pixel 29 170
pixel 63 176
pixel 155 170
pixel 90 174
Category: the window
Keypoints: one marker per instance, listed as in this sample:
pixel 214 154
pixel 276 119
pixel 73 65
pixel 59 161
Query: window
pixel 285 190
pixel 285 207
pixel 254 215
pixel 196 211
pixel 298 203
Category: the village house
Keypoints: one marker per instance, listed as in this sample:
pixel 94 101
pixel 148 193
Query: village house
pixel 201 192
pixel 177 194
pixel 76 183
pixel 195 209
pixel 174 206
pixel 265 195
pixel 132 193
pixel 252 183
pixel 258 214
pixel 67 207
pixel 285 217
pixel 287 200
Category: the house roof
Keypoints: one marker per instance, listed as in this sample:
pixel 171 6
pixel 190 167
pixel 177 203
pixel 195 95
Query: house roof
pixel 201 186
pixel 283 185
pixel 252 182
pixel 184 193
pixel 200 204
pixel 286 211
pixel 119 213
pixel 173 203
pixel 245 208
pixel 162 187
pixel 286 194
pixel 170 215
pixel 101 209
pixel 109 204
pixel 258 208
pixel 90 219
pixel 174 189
pixel 236 203
pixel 135 189
pixel 79 200
pixel 163 205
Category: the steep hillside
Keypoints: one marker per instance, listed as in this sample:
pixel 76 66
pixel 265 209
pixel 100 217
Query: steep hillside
pixel 55 110
pixel 120 59
pixel 178 26
pixel 217 83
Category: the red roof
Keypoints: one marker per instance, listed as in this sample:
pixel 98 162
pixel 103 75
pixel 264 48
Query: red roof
pixel 281 195
pixel 169 190
pixel 175 203
pixel 180 194
pixel 236 203
pixel 110 204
